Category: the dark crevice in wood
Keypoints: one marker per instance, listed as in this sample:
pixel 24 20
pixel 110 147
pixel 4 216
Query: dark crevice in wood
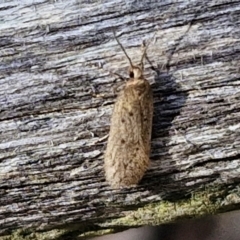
pixel 216 160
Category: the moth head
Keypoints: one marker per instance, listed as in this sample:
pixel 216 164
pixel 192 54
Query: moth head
pixel 135 72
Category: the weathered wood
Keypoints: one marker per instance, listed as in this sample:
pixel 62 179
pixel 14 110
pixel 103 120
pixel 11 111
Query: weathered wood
pixel 55 106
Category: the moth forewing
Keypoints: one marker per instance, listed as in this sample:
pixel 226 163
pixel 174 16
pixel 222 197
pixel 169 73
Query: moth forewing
pixel 128 148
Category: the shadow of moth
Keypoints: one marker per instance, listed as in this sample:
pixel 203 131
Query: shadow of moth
pixel 128 148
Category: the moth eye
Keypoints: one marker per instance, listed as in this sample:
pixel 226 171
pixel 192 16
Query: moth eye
pixel 123 121
pixel 131 74
pixel 130 113
pixel 122 141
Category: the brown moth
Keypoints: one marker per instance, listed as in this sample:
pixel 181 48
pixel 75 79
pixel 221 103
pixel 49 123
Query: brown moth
pixel 129 143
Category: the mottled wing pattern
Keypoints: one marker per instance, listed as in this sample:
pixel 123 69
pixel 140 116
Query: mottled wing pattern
pixel 127 153
pixel 147 114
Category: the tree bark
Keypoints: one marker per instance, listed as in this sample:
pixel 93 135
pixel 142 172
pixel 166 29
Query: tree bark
pixel 57 95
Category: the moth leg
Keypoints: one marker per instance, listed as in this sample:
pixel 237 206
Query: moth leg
pixel 176 46
pixel 117 75
pixel 111 72
pixel 152 66
pixel 100 139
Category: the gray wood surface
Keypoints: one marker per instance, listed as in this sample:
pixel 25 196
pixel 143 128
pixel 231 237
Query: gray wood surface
pixel 56 102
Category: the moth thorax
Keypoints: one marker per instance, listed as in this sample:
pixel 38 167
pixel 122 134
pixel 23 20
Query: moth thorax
pixel 135 72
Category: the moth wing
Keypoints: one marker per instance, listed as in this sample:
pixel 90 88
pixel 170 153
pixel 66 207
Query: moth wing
pixel 127 153
pixel 147 114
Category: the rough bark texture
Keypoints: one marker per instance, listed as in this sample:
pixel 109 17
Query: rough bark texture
pixel 56 102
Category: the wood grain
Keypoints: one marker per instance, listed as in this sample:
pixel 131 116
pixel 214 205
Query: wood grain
pixel 56 102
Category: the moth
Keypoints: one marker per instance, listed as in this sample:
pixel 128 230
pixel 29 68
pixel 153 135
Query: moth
pixel 129 143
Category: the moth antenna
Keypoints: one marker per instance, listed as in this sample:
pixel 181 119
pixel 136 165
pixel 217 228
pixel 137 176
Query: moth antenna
pixel 129 59
pixel 145 50
pixel 143 56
